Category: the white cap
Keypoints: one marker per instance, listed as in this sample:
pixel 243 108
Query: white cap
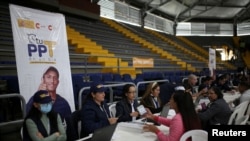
pixel 179 88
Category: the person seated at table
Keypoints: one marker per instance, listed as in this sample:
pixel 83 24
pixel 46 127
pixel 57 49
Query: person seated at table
pixel 190 84
pixel 126 108
pixel 41 122
pixel 184 120
pixel 151 98
pixel 217 111
pixel 208 80
pixel 244 89
pixel 202 93
pixel 95 113
pixel 238 78
pixel 222 85
pixel 188 89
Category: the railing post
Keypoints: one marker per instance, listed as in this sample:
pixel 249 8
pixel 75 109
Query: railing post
pixel 23 108
pixel 85 65
pixel 118 65
pixel 106 86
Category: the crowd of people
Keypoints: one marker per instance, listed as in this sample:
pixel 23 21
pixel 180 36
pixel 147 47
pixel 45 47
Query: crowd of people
pixel 45 116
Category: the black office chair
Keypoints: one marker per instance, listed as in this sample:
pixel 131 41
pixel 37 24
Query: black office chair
pixel 75 121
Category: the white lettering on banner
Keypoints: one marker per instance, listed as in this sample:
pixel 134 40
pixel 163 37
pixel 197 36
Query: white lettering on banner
pixel 41 48
pixel 216 132
pixel 40 41
pixel 212 61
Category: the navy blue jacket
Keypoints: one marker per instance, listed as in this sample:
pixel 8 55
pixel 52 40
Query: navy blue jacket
pixel 92 117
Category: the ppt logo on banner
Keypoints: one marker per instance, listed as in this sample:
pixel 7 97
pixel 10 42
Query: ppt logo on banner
pixel 41 51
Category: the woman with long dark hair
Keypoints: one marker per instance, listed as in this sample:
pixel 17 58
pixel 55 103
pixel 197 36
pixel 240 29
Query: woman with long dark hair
pixel 185 119
pixel 41 123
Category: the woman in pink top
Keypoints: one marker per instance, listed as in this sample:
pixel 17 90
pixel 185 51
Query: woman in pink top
pixel 185 119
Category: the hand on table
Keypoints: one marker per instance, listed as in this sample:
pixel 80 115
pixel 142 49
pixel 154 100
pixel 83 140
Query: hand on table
pixel 112 120
pixel 150 128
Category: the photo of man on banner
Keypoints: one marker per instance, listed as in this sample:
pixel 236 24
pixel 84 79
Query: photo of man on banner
pixel 40 38
pixel 50 82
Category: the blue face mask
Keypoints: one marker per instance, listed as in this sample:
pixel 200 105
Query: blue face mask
pixel 46 108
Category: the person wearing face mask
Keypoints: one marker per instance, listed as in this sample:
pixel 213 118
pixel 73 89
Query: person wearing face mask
pixel 151 98
pixel 50 82
pixel 41 122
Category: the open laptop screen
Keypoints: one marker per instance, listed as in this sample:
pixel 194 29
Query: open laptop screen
pixel 104 134
pixel 165 110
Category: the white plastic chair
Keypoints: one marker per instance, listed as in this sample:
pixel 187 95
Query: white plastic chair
pixel 196 135
pixel 86 138
pixel 21 132
pixel 112 109
pixel 248 113
pixel 238 113
pixel 242 120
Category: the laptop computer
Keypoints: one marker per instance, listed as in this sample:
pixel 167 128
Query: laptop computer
pixel 165 110
pixel 104 134
pixel 164 113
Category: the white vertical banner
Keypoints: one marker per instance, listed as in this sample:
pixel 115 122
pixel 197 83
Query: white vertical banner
pixel 212 61
pixel 40 42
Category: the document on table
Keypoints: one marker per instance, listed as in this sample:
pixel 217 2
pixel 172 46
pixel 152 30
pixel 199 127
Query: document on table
pixel 134 131
pixel 229 97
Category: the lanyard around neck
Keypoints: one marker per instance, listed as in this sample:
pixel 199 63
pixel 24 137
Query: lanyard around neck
pixel 104 110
